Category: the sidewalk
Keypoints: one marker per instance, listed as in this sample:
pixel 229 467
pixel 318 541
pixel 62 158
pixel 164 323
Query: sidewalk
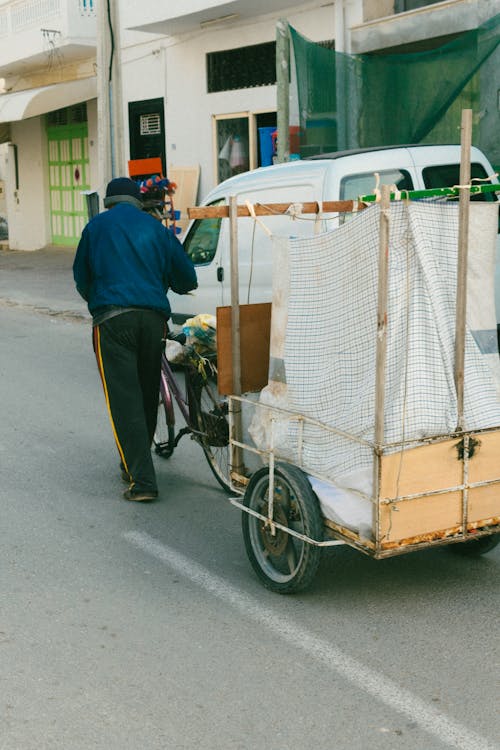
pixel 41 280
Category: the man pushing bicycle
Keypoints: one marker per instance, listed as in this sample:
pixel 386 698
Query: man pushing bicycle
pixel 125 263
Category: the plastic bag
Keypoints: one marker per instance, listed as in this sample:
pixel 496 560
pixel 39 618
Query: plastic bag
pixel 201 333
pixel 175 352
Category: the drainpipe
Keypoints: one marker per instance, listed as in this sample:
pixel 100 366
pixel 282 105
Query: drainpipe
pixel 342 96
pixel 109 95
pixel 103 109
pixel 118 166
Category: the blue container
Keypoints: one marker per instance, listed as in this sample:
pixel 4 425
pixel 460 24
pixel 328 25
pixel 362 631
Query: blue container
pixel 266 146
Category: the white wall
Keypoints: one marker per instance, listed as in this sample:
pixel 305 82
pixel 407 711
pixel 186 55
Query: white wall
pixel 93 151
pixel 179 75
pixel 27 207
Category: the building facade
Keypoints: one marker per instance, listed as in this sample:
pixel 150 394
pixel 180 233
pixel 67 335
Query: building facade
pixel 47 117
pixel 198 88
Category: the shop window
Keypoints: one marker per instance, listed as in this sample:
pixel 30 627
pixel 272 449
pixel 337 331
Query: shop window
pixel 232 146
pixel 242 141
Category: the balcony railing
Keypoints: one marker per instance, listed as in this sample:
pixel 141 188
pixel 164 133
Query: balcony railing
pixel 21 16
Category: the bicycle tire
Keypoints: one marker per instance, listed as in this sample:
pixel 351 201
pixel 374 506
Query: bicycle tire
pixel 164 436
pixel 209 415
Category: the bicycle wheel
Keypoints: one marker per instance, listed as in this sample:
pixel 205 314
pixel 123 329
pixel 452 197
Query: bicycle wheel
pixel 282 562
pixel 476 547
pixel 164 437
pixel 209 414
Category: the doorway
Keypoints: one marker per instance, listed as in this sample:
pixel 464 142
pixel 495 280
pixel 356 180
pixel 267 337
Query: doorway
pixel 147 130
pixel 68 163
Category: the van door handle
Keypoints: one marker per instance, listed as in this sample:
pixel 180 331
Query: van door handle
pixel 220 273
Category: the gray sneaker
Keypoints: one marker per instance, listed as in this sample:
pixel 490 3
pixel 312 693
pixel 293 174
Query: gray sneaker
pixel 140 496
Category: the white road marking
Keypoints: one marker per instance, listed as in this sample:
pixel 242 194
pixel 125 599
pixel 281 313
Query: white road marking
pixel 447 730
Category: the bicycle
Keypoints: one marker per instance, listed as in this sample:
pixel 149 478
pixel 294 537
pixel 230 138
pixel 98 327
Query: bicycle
pixel 204 411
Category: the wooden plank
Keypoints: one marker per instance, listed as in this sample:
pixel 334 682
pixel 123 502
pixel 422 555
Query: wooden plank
pixel 485 462
pixel 442 534
pixel 349 534
pixel 484 502
pixel 271 209
pixel 463 249
pixel 255 330
pixel 187 180
pixel 485 524
pixel 237 424
pixel 432 536
pixel 432 514
pixel 427 468
pixel 431 468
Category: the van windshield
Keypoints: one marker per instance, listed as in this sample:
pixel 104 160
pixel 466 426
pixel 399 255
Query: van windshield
pixel 202 239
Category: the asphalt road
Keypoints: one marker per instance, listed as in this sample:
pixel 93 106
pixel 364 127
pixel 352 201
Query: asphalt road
pixel 128 627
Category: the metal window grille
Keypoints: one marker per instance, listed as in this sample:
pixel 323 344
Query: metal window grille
pixel 68 116
pixel 241 68
pixel 245 67
pixel 150 124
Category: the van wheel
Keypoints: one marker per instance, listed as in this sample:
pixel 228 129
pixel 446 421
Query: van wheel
pixel 476 547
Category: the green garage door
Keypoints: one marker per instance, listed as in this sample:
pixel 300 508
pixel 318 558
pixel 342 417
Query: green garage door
pixel 67 137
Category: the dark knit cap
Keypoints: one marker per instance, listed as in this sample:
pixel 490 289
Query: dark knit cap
pixel 122 190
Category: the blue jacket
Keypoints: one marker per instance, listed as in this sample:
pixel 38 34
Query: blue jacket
pixel 126 258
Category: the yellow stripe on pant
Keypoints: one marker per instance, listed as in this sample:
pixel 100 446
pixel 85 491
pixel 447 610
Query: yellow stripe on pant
pixel 100 366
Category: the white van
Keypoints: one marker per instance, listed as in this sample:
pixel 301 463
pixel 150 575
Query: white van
pixel 341 176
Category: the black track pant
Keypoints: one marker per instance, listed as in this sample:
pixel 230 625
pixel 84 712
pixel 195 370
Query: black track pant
pixel 128 350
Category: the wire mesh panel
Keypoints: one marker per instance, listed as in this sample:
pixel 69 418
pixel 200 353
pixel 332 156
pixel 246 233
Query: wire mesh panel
pixel 397 99
pixel 323 350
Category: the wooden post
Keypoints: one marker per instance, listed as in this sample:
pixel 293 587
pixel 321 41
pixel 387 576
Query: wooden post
pixel 383 271
pixel 283 90
pixel 463 244
pixel 236 453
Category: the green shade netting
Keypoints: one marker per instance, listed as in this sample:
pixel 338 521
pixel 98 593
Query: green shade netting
pixel 358 101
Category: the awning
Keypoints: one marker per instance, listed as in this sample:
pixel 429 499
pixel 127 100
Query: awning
pixel 33 102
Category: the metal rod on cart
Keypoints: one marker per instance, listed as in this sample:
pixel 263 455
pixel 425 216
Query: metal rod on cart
pixel 463 243
pixel 383 269
pixel 236 451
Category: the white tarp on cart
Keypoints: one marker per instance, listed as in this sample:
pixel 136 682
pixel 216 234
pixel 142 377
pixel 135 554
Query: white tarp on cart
pixel 323 344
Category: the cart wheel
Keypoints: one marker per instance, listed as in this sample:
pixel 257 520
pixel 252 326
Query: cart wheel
pixel 283 562
pixel 476 547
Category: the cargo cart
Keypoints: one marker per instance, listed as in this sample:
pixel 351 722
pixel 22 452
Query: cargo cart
pixel 442 489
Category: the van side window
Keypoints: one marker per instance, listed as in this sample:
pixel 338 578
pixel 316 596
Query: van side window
pixel 447 175
pixel 355 185
pixel 202 239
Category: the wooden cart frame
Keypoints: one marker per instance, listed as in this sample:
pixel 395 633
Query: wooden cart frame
pixel 457 497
